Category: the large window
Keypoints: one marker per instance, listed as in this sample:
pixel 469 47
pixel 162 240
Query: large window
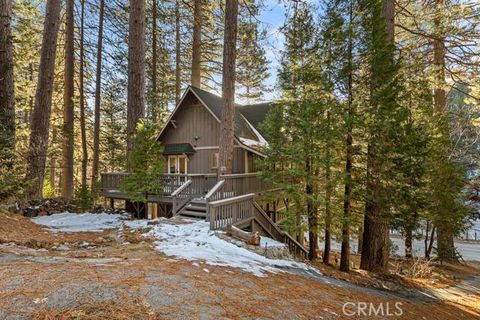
pixel 177 164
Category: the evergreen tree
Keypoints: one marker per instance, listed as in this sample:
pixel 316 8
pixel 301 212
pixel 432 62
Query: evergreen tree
pixel 383 122
pixel 145 163
pixel 252 64
pixel 296 126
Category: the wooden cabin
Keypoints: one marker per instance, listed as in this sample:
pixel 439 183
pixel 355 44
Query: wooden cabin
pixel 192 132
pixel 190 182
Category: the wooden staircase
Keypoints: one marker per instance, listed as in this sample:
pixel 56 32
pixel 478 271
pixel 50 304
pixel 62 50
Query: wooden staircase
pixel 227 203
pixel 244 212
pixel 196 208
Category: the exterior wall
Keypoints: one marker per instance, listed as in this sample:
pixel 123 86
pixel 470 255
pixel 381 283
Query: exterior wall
pixel 192 120
pixel 197 126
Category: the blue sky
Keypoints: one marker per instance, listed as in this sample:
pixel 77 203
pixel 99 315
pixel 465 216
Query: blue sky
pixel 272 18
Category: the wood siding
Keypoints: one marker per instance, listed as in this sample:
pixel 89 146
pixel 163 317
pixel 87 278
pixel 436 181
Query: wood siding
pixel 192 120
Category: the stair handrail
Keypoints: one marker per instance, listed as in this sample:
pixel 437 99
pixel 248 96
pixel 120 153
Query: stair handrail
pixel 214 190
pixel 303 252
pixel 217 203
pixel 175 206
pixel 292 244
pixel 181 188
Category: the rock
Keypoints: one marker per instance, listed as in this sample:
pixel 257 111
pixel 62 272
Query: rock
pixel 255 239
pixel 49 206
pixel 63 248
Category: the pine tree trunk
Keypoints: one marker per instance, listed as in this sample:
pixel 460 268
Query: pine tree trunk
pixel 328 196
pixel 82 99
pixel 312 213
pixel 376 241
pixel 425 241
pixel 38 144
pixel 408 244
pixel 197 43
pixel 98 88
pixel 347 195
pixel 153 103
pixel 68 138
pixel 430 245
pixel 136 70
pixel 178 71
pixel 228 88
pixel 53 157
pixel 375 250
pixel 7 98
pixel 445 242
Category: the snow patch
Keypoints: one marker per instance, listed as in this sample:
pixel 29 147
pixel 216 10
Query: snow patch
pixel 259 143
pixel 137 224
pixel 84 222
pixel 195 241
pixel 269 242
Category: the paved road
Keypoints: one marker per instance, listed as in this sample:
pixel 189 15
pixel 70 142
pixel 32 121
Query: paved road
pixel 468 250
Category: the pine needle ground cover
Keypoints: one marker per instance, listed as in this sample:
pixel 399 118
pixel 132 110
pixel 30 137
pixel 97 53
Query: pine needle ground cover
pixel 122 279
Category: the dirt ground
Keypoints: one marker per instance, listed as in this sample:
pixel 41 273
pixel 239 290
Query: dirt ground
pixel 110 279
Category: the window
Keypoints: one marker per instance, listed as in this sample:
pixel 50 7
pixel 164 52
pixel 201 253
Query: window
pixel 215 160
pixel 177 164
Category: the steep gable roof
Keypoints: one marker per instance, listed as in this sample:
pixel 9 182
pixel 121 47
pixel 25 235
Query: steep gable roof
pixel 247 118
pixel 256 114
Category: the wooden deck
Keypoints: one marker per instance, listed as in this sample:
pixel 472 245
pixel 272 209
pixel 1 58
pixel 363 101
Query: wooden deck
pixel 226 200
pixel 183 186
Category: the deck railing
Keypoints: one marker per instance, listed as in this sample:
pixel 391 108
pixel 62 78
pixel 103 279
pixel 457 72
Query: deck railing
pixel 242 208
pixel 230 211
pixel 112 182
pixel 234 184
pixel 240 184
pixel 197 185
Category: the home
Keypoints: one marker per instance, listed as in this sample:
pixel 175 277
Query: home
pixel 191 186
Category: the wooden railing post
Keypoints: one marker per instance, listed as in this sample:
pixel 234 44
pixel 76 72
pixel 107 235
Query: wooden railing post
pixel 174 206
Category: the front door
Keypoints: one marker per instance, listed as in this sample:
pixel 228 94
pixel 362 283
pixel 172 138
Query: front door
pixel 177 164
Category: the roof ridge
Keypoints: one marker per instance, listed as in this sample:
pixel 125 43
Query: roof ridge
pixel 236 104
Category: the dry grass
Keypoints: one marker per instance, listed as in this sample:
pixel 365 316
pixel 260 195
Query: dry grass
pixel 97 311
pixel 135 236
pixel 415 273
pixel 22 231
pixel 414 268
pixel 128 268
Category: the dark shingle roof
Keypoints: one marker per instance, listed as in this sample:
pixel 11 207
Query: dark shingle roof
pixel 256 114
pixel 178 148
pixel 244 115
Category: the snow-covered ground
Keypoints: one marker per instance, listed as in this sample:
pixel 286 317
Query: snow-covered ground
pixel 73 222
pixel 194 241
pixel 269 242
pixel 189 239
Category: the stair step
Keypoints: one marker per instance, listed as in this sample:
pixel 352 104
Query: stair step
pixel 193 213
pixel 196 208
pixel 199 201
